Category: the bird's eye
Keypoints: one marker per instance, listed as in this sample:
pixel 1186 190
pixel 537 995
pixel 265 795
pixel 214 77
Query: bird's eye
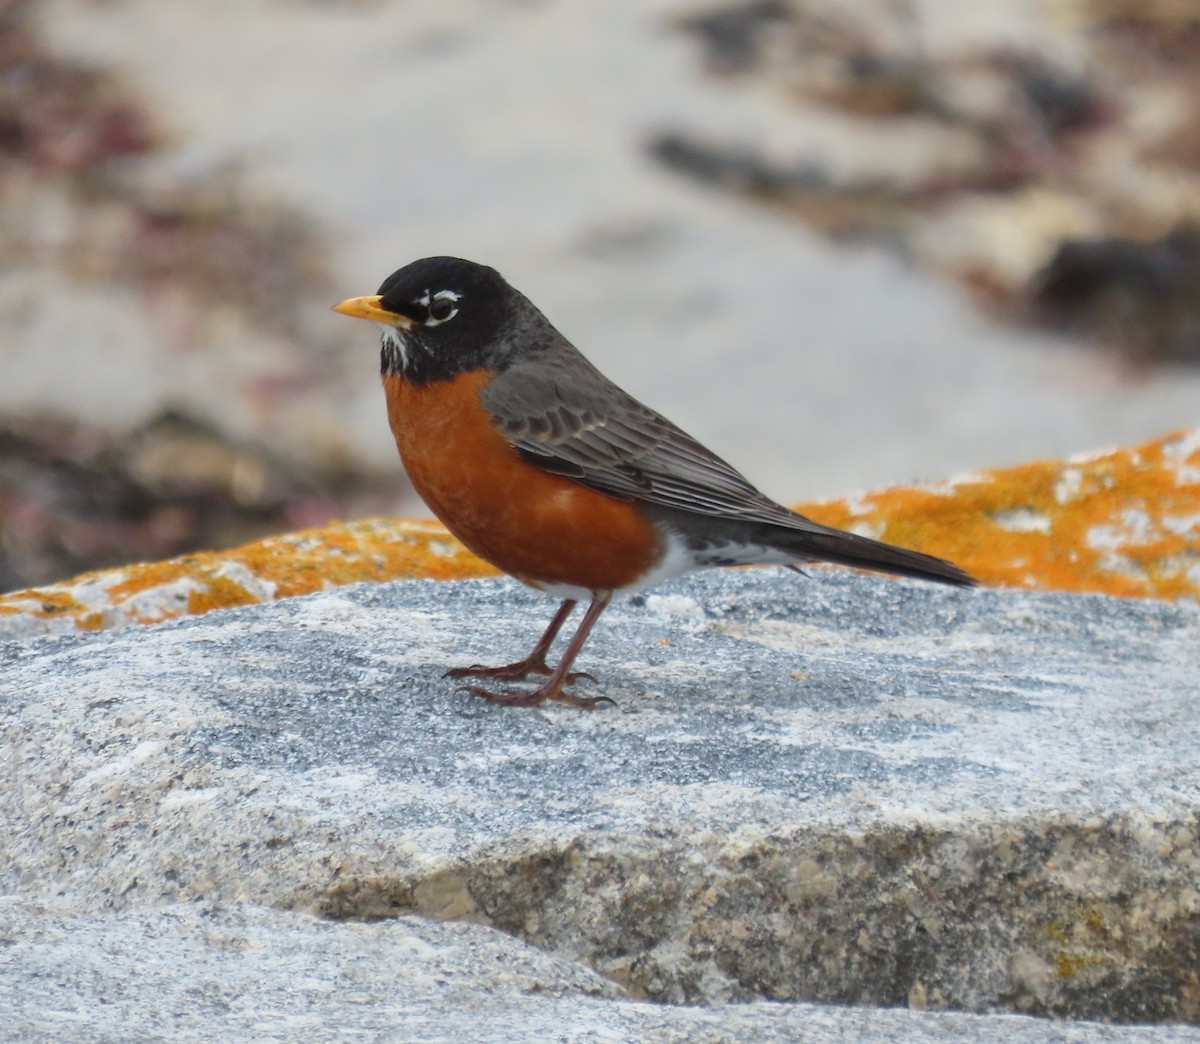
pixel 440 307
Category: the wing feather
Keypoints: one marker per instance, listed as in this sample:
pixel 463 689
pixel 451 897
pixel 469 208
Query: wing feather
pixel 593 432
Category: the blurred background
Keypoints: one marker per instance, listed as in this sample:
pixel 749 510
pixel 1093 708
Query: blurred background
pixel 846 243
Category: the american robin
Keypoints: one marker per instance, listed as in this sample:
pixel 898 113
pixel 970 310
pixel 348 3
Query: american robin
pixel 545 468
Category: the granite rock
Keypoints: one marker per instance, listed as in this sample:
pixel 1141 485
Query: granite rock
pixel 200 972
pixel 840 789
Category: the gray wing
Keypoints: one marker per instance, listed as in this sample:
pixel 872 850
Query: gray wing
pixel 589 430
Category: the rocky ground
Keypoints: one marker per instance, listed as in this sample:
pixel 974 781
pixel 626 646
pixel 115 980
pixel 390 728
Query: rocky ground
pixel 281 820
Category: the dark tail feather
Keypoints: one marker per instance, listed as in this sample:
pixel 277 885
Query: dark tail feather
pixel 807 541
pixel 864 553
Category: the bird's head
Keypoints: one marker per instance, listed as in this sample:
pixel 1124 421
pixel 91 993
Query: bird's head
pixel 440 316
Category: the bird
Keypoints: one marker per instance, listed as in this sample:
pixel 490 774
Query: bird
pixel 545 468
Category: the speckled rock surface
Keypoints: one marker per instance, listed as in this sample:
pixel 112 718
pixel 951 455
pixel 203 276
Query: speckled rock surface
pixel 840 789
pixel 203 973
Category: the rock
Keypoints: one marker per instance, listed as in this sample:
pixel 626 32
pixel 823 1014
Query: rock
pixel 843 790
pixel 202 972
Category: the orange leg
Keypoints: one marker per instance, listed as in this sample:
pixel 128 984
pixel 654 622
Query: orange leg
pixel 561 675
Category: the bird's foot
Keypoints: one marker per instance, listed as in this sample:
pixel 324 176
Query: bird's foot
pixel 514 671
pixel 549 691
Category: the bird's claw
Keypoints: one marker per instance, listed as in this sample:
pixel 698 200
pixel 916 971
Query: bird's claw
pixel 536 697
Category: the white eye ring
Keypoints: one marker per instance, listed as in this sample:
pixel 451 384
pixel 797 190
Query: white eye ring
pixel 435 306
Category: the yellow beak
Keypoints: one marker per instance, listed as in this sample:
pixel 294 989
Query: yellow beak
pixel 368 308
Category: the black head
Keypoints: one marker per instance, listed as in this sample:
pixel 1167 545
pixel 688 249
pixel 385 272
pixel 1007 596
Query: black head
pixel 441 316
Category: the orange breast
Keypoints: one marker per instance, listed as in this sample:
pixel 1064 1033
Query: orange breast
pixel 538 527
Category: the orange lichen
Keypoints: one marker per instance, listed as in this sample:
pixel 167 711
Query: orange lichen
pixel 279 567
pixel 219 593
pixel 1126 522
pixel 54 603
